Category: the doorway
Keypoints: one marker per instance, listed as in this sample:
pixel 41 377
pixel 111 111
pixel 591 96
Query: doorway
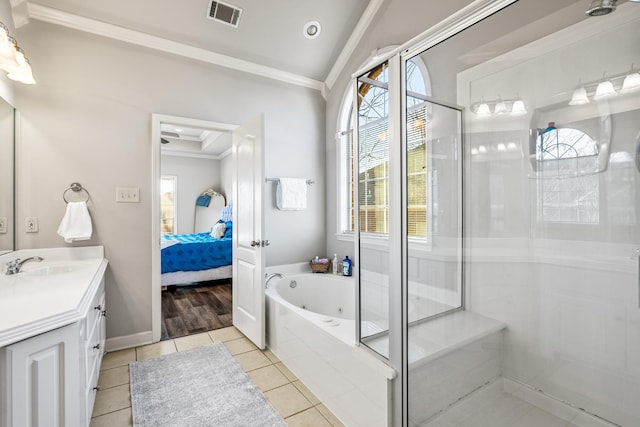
pixel 196 154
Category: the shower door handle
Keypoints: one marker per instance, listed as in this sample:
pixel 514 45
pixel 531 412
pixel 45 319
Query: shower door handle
pixel 635 253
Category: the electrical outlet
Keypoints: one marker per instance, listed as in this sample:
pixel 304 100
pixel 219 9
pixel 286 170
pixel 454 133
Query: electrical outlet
pixel 3 224
pixel 31 224
pixel 128 195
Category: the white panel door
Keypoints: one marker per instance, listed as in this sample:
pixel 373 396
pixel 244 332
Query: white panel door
pixel 248 224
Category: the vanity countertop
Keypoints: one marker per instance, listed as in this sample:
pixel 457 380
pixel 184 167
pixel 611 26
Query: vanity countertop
pixel 49 294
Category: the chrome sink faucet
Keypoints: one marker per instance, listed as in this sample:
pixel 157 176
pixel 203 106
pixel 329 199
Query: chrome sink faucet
pixel 14 267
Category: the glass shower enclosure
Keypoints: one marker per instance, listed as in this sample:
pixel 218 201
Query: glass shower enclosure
pixel 498 234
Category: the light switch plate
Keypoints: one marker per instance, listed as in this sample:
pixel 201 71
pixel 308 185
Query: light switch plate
pixel 3 224
pixel 31 224
pixel 128 195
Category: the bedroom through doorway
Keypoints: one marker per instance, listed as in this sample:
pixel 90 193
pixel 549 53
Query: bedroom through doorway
pixel 195 228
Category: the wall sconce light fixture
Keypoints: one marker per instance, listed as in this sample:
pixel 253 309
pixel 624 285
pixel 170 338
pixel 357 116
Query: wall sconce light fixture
pixel 606 88
pixel 499 107
pixel 12 58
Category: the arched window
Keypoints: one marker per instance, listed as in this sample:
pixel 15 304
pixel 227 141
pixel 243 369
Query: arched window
pixel 372 107
pixel 568 188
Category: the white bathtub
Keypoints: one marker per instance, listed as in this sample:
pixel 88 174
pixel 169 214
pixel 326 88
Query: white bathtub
pixel 311 328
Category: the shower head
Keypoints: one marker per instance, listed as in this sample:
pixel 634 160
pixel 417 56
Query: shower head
pixel 601 7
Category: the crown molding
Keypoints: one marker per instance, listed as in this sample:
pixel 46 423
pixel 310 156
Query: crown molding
pixel 80 23
pixel 355 37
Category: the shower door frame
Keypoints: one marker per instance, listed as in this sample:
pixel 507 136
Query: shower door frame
pixel 398 315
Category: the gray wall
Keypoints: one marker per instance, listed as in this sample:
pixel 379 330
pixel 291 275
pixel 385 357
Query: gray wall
pixel 194 176
pixel 226 177
pixel 89 120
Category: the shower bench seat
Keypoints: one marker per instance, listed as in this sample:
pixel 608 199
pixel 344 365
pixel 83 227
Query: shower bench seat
pixel 437 337
pixel 449 357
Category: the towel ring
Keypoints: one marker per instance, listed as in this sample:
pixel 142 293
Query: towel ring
pixel 76 187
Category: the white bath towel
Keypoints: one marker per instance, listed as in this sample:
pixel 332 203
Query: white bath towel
pixel 291 194
pixel 76 223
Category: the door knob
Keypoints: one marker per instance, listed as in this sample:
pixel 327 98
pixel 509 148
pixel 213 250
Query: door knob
pixel 254 243
pixel 265 243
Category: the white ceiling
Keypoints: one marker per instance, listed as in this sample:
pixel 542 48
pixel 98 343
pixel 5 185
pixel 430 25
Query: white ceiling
pixel 269 41
pixel 270 33
pixel 185 141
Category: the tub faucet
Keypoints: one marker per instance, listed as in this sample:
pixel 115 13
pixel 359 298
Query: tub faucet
pixel 268 277
pixel 14 267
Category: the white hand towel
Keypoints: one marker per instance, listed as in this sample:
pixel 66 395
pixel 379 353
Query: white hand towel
pixel 76 223
pixel 291 194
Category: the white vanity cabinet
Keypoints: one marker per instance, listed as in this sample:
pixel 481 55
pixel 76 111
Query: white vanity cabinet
pixel 41 379
pixel 93 338
pixel 49 373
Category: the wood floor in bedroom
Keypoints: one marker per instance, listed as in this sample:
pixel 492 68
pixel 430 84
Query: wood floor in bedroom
pixel 188 310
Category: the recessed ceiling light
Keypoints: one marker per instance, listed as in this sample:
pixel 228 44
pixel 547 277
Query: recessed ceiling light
pixel 311 29
pixel 177 129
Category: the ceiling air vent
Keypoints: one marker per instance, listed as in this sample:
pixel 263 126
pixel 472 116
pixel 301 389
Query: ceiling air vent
pixel 225 13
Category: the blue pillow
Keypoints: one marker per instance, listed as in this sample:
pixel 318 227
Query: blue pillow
pixel 228 232
pixel 203 200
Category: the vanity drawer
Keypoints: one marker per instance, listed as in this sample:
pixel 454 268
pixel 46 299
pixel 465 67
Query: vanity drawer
pixel 94 345
pixel 96 310
pixel 90 394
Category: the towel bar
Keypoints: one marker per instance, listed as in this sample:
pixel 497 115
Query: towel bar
pixel 309 181
pixel 76 187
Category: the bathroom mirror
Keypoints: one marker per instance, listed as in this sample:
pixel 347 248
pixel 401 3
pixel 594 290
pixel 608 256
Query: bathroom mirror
pixel 563 143
pixel 7 178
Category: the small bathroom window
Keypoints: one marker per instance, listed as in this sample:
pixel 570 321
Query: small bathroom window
pixel 168 186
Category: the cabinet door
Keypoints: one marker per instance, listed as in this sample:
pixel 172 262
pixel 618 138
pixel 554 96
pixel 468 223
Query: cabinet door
pixel 43 383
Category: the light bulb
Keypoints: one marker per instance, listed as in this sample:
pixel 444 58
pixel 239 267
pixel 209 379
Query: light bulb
pixel 604 90
pixel 483 110
pixel 500 108
pixel 23 75
pixel 579 97
pixel 631 82
pixel 7 49
pixel 23 72
pixel 518 108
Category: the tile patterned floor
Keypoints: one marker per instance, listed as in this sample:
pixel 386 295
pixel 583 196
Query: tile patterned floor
pixel 293 401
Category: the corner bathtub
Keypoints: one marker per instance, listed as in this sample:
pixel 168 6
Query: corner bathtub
pixel 311 328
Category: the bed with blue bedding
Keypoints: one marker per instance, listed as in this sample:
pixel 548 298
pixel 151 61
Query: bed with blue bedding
pixel 188 258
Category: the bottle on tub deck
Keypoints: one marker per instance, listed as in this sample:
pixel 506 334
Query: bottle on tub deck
pixel 347 266
pixel 334 263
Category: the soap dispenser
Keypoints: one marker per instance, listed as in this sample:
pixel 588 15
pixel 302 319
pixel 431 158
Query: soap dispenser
pixel 334 263
pixel 347 266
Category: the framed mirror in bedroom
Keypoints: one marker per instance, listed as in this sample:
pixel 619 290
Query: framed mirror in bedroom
pixel 208 211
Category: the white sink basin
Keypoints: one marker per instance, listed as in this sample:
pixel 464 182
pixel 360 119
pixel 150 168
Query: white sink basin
pixel 49 270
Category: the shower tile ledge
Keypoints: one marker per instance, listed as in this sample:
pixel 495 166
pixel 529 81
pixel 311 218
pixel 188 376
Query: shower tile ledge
pixel 437 337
